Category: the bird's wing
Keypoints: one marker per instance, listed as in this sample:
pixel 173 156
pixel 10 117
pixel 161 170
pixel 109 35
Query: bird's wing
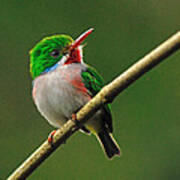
pixel 94 82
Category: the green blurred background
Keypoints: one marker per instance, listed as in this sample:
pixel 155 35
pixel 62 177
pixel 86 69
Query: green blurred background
pixel 146 115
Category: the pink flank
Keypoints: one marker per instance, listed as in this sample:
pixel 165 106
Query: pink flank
pixel 79 85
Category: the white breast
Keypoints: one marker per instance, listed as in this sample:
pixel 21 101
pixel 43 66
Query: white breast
pixel 55 96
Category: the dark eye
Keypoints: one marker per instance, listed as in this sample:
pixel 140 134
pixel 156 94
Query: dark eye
pixel 55 53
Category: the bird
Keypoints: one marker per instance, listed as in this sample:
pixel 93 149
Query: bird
pixel 62 83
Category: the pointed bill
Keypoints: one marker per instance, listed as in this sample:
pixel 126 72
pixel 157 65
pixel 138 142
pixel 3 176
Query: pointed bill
pixel 81 38
pixel 75 50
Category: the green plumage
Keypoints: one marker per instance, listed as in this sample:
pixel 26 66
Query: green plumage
pixel 94 82
pixel 40 55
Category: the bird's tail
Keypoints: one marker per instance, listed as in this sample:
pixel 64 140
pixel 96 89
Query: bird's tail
pixel 108 143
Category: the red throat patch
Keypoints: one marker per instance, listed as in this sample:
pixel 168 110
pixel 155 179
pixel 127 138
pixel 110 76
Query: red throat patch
pixel 75 57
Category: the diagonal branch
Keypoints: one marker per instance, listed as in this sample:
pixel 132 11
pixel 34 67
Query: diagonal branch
pixel 106 95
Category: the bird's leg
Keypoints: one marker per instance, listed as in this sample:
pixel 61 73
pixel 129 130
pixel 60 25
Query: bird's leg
pixel 74 118
pixel 50 137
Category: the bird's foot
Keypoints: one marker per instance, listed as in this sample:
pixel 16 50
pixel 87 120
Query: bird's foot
pixel 50 137
pixel 74 118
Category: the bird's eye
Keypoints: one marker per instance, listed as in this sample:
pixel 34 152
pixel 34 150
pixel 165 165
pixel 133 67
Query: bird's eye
pixel 55 53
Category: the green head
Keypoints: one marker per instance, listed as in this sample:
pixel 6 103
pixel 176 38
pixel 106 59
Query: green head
pixel 48 52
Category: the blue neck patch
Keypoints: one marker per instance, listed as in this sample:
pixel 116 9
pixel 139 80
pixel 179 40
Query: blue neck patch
pixel 50 68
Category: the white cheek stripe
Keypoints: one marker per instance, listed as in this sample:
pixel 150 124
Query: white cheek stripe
pixel 63 60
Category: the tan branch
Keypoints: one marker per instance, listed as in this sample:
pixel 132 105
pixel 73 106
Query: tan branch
pixel 106 95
